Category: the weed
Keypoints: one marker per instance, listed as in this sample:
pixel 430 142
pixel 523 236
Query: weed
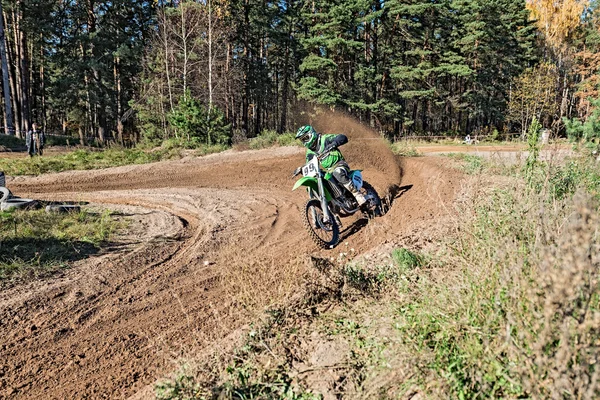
pixel 247 382
pixel 472 164
pixel 406 260
pixel 363 280
pixel 181 387
pixel 533 143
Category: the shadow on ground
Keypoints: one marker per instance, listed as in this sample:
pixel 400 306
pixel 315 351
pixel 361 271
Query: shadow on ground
pixel 394 194
pixel 39 258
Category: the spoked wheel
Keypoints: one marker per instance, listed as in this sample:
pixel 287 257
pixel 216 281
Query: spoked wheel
pixel 325 235
pixel 369 191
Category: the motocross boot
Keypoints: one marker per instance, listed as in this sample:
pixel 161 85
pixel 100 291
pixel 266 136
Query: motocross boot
pixel 360 198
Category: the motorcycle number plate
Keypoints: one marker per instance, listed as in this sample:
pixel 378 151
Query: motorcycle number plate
pixel 312 168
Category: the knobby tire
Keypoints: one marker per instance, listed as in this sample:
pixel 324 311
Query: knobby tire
pixel 335 230
pixel 370 190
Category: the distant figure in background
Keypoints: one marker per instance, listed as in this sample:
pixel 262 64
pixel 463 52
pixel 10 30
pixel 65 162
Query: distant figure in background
pixel 35 140
pixel 468 139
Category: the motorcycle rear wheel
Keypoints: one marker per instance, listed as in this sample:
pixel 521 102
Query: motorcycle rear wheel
pixel 369 190
pixel 325 235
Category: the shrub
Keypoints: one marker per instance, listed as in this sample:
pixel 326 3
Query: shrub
pixel 270 138
pixel 586 133
pixel 191 120
pixel 405 259
pixel 11 142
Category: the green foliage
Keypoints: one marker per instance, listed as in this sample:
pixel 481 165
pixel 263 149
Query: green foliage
pixel 494 137
pixel 575 173
pixel 54 140
pixel 533 144
pixel 366 280
pixel 375 279
pixel 245 382
pixel 181 387
pixel 36 243
pixel 11 142
pixel 198 125
pixel 406 259
pixel 586 133
pixel 80 61
pixel 472 164
pixel 270 138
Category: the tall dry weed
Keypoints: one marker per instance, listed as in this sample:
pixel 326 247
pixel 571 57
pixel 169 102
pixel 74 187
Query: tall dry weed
pixel 557 328
pixel 518 314
pixel 253 283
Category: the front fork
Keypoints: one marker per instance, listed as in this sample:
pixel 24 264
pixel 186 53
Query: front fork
pixel 323 198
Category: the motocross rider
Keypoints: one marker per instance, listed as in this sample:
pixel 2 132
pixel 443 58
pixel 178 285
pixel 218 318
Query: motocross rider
pixel 334 163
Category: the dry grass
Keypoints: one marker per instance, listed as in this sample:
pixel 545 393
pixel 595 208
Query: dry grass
pixel 259 283
pixel 517 309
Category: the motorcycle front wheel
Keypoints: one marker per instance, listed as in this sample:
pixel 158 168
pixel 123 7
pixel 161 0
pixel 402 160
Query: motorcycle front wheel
pixel 325 235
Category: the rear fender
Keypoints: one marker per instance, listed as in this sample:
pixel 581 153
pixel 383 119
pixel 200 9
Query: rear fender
pixel 311 183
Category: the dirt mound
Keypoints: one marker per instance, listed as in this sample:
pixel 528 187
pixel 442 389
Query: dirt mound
pixel 213 240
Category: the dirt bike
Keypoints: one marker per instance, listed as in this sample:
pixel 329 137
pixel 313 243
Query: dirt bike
pixel 329 200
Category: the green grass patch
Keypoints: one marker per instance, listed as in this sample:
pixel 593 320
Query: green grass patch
pixel 36 243
pixel 406 259
pixel 84 160
pixel 470 163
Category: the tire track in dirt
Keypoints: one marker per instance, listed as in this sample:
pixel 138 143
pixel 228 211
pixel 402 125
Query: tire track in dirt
pixel 115 323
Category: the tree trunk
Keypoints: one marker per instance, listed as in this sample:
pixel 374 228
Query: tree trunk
pixel 245 99
pixel 286 77
pixel 118 101
pixel 25 104
pixel 165 41
pixel 43 88
pixel 210 62
pixel 9 127
pixel 15 60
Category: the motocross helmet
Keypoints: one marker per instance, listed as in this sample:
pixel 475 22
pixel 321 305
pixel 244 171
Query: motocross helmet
pixel 307 135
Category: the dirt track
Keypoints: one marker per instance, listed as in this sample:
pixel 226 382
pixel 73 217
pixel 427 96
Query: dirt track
pixel 115 323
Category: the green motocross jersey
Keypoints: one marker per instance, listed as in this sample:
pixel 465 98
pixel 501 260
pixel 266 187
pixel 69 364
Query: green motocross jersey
pixel 334 157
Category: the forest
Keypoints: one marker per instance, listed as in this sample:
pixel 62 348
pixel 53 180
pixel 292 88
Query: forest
pixel 213 71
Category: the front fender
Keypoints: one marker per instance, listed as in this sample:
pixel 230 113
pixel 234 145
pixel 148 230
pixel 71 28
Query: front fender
pixel 312 184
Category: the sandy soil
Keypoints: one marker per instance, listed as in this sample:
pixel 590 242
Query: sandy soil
pixel 113 324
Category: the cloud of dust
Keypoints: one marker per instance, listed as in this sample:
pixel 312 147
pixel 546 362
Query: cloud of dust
pixel 365 147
